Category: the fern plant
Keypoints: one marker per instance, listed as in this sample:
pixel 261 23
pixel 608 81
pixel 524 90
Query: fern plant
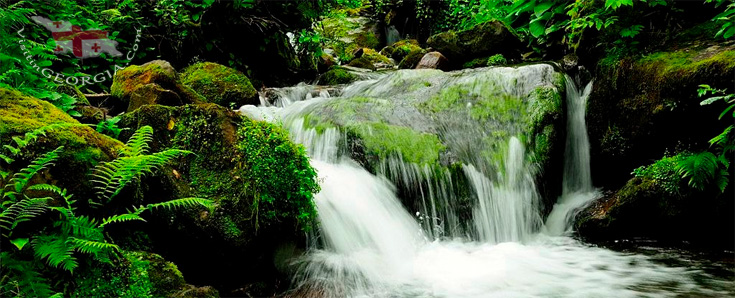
pixel 71 235
pixel 707 168
pixel 134 162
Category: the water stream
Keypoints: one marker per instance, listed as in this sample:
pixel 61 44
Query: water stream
pixel 370 245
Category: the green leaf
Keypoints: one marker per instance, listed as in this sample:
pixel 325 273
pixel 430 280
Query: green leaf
pixel 537 29
pixel 20 242
pixel 539 9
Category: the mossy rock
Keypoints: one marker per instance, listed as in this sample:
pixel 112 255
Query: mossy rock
pixel 127 81
pixel 412 59
pixel 640 107
pixel 643 208
pixel 150 94
pixel 362 62
pixel 137 274
pixel 261 181
pixel 484 39
pixel 220 84
pixel 337 76
pixel 83 146
pixel 74 92
pixel 381 141
pixel 404 47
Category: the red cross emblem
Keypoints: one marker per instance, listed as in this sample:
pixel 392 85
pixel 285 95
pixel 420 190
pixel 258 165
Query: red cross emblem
pixel 76 35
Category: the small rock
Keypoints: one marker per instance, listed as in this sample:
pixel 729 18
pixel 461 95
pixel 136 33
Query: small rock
pixel 433 60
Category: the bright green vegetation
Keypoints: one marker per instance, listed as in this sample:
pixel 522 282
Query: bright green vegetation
pixel 42 248
pixel 494 60
pixel 219 84
pixel 281 178
pixel 337 76
pixel 386 140
pixel 663 172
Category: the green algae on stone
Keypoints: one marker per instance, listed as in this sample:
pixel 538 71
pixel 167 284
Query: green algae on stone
pixel 412 59
pixel 220 84
pixel 385 140
pixel 337 76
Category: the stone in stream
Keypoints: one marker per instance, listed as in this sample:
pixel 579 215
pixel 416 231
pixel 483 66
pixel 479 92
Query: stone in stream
pixel 166 87
pixel 433 60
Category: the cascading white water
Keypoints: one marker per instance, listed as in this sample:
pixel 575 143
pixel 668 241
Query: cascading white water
pixel 371 246
pixel 577 190
pixel 506 211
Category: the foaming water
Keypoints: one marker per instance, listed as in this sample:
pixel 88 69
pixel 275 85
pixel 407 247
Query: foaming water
pixel 577 190
pixel 370 245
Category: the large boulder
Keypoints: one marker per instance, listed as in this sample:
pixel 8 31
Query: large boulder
pixel 158 83
pixel 261 182
pixel 485 39
pixel 440 120
pixel 137 274
pixel 83 146
pixel 644 208
pixel 642 107
pixel 220 84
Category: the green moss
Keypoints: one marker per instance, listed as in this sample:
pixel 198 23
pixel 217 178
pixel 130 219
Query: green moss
pixel 375 57
pixel 219 84
pixel 20 114
pixel 502 108
pixel 128 79
pixel 404 47
pixel 663 173
pixel 366 39
pixel 337 76
pixel 447 99
pixel 681 63
pixel 412 59
pixel 317 123
pixel 279 173
pixel 136 274
pixel 385 140
pixel 475 63
pixel 497 59
pixel 362 62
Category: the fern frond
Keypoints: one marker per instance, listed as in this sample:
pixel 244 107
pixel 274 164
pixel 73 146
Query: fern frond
pixel 698 168
pixel 120 218
pixel 110 178
pixel 21 179
pixel 138 143
pixel 179 203
pixel 6 159
pixel 84 227
pixel 49 188
pixel 57 252
pixel 22 277
pixel 22 142
pixel 21 211
pixel 92 247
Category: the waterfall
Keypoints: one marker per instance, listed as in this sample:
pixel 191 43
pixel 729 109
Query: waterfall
pixel 506 211
pixel 577 190
pixel 370 245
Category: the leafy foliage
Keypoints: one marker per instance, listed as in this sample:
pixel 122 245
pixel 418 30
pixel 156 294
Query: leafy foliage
pixel 663 172
pixel 707 168
pixel 110 178
pixel 704 168
pixel 726 18
pixel 59 245
pixel 282 179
